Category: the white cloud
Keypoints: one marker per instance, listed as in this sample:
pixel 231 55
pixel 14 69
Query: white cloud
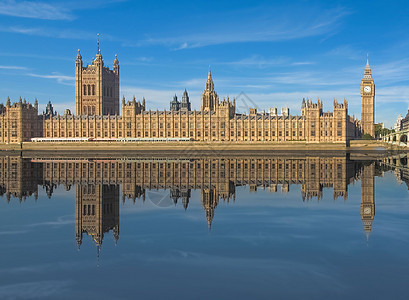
pixel 302 63
pixel 34 290
pixel 13 68
pixel 36 56
pixel 35 10
pixel 54 33
pixel 257 27
pixel 60 221
pixel 347 51
pixel 394 71
pixel 63 79
pixel 259 61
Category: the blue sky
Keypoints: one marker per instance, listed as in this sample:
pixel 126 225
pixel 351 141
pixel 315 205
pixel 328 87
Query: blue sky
pixel 275 52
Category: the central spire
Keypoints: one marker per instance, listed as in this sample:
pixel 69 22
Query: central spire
pixel 99 51
pixel 209 82
pixel 367 62
pixel 367 73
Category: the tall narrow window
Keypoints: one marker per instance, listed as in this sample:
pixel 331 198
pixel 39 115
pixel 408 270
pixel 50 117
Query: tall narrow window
pixel 93 89
pixel 85 90
pixel 89 89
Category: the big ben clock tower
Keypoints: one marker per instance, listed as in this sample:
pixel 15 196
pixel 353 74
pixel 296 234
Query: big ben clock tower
pixel 368 102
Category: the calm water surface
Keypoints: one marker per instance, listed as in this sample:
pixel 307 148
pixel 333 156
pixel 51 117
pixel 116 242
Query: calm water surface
pixel 200 227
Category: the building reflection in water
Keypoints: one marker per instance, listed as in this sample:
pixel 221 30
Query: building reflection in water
pixel 97 211
pixel 102 183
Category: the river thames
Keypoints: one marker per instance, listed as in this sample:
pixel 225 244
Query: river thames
pixel 200 227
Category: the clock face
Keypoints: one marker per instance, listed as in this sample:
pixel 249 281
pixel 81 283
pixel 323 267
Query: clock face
pixel 367 210
pixel 367 89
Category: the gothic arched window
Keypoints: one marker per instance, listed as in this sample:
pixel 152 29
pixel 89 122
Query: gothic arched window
pixel 93 89
pixel 89 89
pixel 85 90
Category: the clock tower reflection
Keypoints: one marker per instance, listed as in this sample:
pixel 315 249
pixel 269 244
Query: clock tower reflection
pixel 368 197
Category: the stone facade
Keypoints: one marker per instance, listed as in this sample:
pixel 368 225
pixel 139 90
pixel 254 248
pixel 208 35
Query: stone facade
pixel 19 122
pixel 216 121
pixel 405 122
pixel 97 105
pixel 96 87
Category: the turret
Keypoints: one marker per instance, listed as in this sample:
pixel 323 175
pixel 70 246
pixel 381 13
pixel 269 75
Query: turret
pixel 115 67
pixel 78 61
pixel 174 104
pixel 49 110
pixel 185 104
pixel 116 233
pixel 98 59
pixel 209 82
pixel 209 100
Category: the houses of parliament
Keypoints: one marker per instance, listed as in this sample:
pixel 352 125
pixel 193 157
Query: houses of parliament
pixel 99 115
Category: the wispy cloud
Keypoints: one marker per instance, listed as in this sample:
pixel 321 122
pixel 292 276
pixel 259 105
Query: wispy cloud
pixel 13 232
pixel 63 79
pixel 395 71
pixel 137 61
pixel 393 94
pixel 12 68
pixel 35 289
pixel 36 56
pixel 60 221
pixel 257 27
pixel 259 61
pixel 348 52
pixel 302 63
pixel 63 33
pixel 34 10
